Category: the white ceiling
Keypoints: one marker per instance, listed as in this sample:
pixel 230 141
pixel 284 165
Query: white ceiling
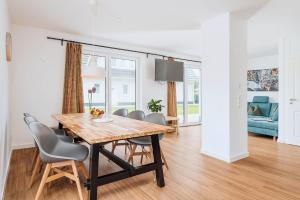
pixel 167 25
pixel 277 19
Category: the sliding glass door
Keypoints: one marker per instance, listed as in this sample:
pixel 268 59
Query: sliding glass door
pixel 189 96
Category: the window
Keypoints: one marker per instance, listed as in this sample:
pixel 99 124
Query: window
pixel 125 89
pixel 119 88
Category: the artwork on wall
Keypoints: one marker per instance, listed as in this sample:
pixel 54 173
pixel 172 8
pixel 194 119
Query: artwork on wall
pixel 263 80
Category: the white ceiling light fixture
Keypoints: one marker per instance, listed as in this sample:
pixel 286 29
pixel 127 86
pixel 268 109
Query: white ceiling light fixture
pixel 93 70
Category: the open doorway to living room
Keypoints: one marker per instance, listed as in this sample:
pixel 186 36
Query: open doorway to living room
pixel 263 86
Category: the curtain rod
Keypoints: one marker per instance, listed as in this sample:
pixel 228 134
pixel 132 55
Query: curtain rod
pixel 62 40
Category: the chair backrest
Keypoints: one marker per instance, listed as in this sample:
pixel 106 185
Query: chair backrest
pixel 29 120
pixel 44 136
pixel 137 114
pixel 123 112
pixel 156 118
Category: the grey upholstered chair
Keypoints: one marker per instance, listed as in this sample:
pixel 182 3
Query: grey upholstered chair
pixel 137 114
pixel 123 112
pixel 36 161
pixel 156 118
pixel 57 153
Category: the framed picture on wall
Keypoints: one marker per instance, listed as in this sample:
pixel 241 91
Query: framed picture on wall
pixel 263 80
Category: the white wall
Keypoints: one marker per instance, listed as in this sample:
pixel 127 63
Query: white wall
pixel 5 143
pixel 38 72
pixel 224 132
pixel 265 62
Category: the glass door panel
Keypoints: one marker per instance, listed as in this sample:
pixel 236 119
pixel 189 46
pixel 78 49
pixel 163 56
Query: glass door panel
pixel 89 82
pixel 123 84
pixel 180 101
pixel 193 95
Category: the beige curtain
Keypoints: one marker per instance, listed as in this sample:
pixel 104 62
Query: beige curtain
pixel 172 101
pixel 73 89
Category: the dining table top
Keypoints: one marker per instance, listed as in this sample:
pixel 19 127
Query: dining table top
pixel 108 128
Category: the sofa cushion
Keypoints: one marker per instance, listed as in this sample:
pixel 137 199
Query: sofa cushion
pixel 264 108
pixel 260 99
pixel 273 125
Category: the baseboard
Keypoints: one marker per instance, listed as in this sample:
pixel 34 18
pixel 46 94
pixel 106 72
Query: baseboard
pixel 6 175
pixel 226 159
pixel 239 157
pixel 22 146
pixel 217 156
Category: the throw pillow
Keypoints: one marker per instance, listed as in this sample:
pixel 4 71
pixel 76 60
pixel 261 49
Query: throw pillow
pixel 254 110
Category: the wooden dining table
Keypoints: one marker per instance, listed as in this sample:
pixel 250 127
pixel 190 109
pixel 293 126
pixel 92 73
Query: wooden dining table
pixel 97 134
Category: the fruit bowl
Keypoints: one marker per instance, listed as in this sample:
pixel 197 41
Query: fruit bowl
pixel 96 112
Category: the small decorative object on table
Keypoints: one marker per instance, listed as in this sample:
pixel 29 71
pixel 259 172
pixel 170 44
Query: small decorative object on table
pixel 95 112
pixel 155 106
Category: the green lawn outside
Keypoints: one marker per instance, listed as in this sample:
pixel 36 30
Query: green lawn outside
pixel 192 108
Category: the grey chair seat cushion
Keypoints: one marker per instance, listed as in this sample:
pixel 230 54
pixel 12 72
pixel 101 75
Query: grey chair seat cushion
pixel 63 151
pixel 144 141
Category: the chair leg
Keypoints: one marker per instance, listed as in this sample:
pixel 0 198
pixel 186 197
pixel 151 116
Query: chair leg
pixel 274 138
pixel 35 157
pixel 142 156
pixel 114 145
pixel 164 159
pixel 43 181
pixel 83 169
pixel 35 171
pixel 150 152
pixel 126 146
pixel 133 148
pixel 77 180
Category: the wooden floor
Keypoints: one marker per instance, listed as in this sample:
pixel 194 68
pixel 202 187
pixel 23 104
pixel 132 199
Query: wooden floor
pixel 271 172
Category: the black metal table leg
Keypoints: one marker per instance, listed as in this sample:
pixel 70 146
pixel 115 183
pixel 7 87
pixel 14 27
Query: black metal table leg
pixel 93 174
pixel 157 159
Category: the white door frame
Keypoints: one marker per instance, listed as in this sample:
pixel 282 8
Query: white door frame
pixel 284 54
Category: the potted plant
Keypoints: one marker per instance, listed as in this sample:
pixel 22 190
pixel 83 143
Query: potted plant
pixel 155 105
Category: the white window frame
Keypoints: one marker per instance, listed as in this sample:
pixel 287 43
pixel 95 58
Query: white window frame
pixel 108 84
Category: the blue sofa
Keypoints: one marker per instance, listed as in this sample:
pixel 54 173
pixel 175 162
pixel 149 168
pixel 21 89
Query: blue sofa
pixel 267 122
